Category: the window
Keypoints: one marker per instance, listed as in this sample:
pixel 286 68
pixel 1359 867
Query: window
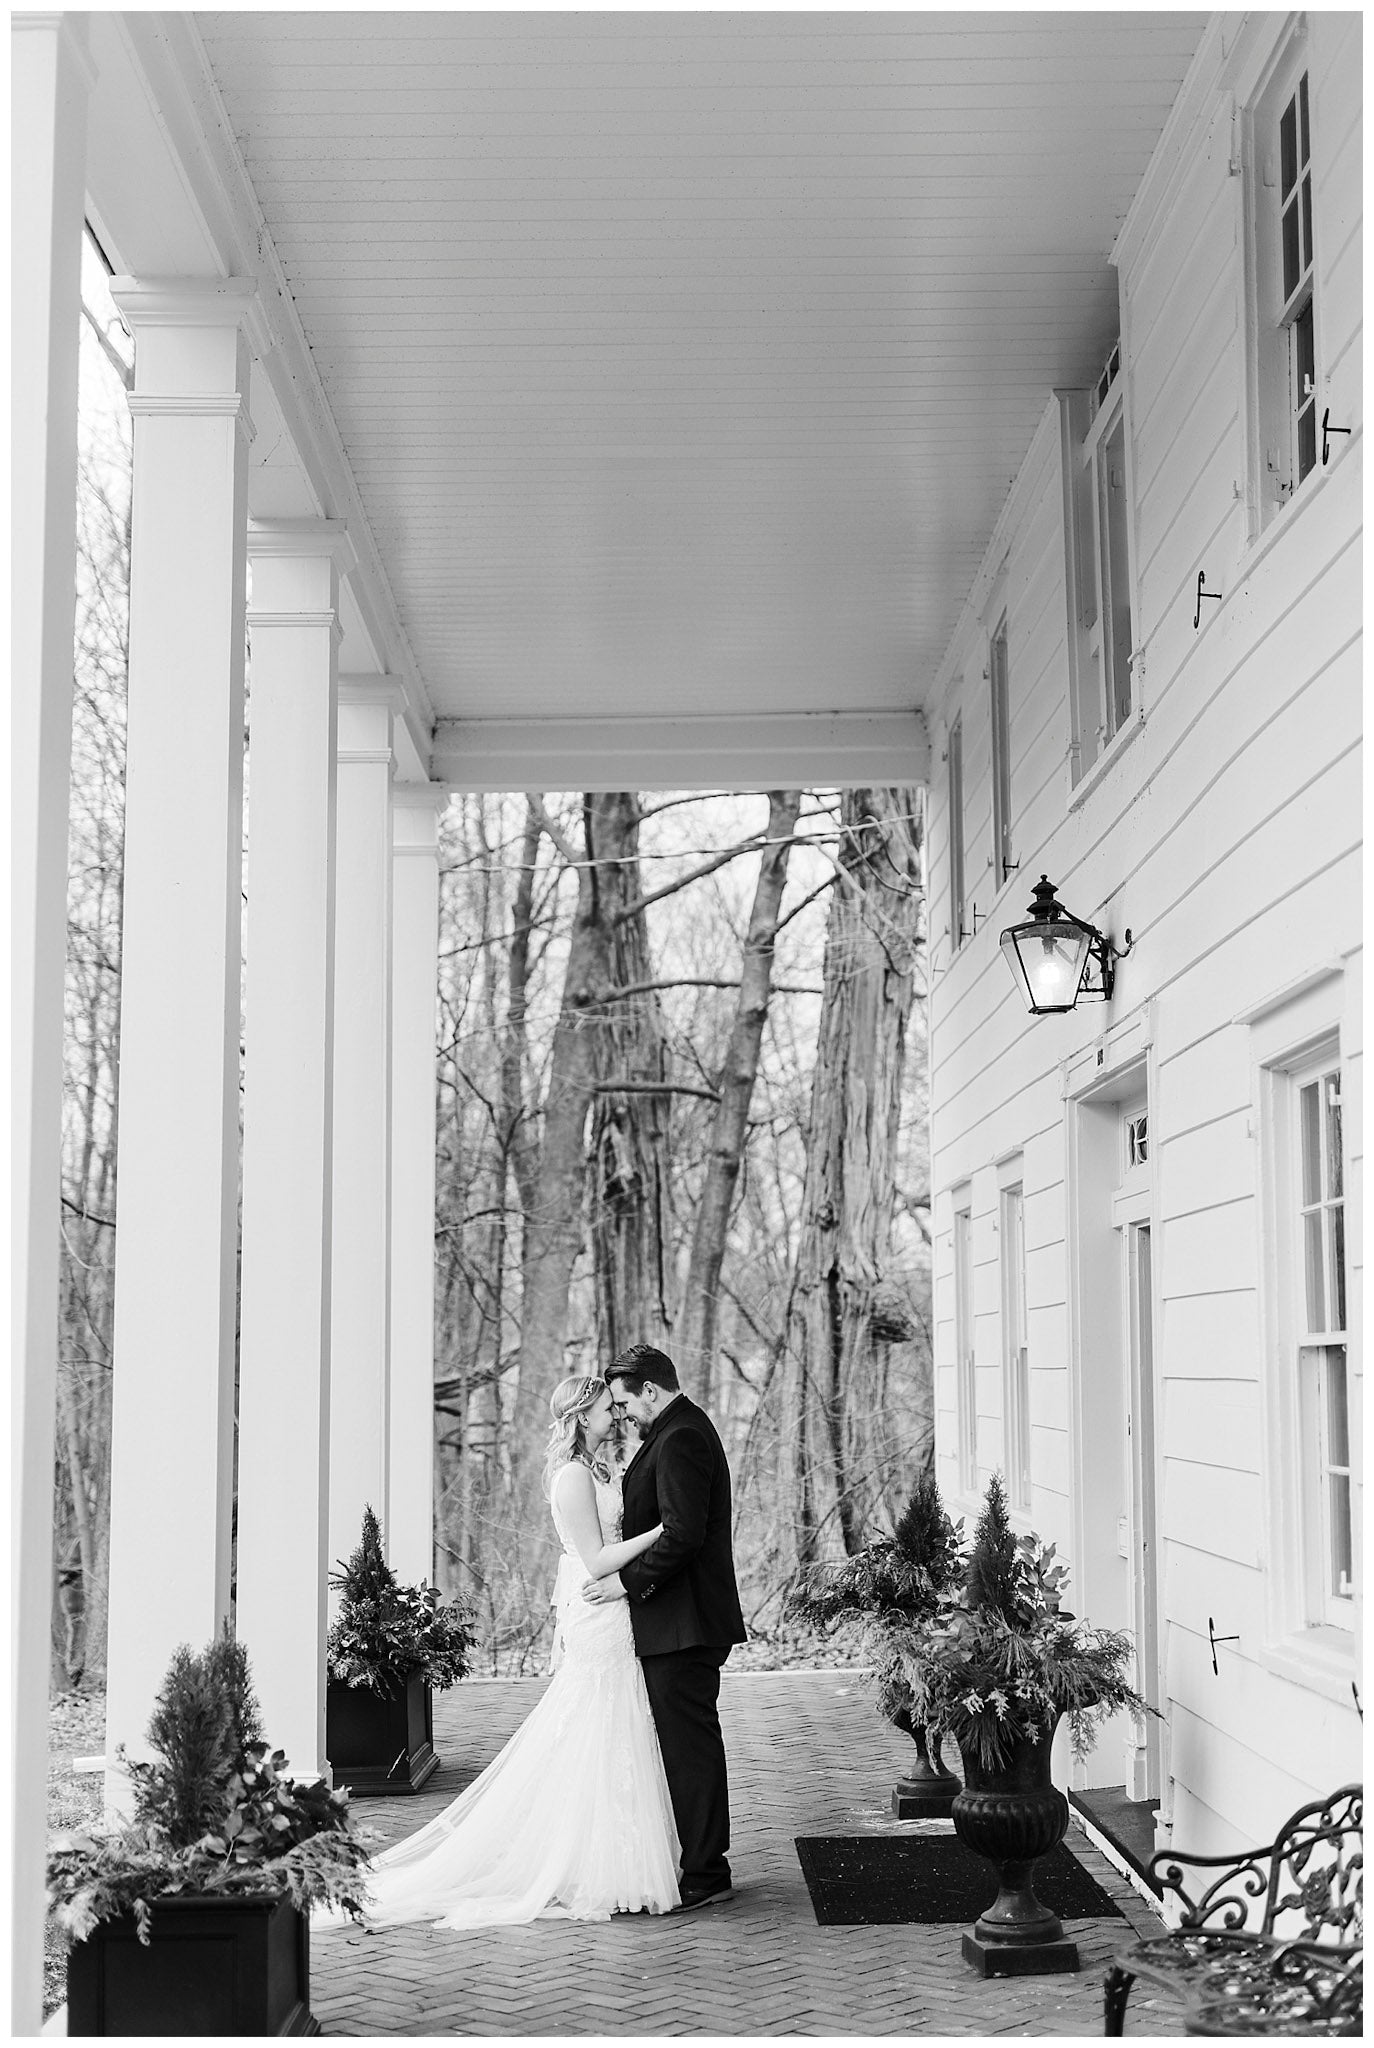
pixel 1284 338
pixel 1015 1355
pixel 1003 863
pixel 1097 544
pixel 1309 1396
pixel 956 833
pixel 1316 1188
pixel 966 1383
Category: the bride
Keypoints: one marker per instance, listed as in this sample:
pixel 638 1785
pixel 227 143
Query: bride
pixel 572 1819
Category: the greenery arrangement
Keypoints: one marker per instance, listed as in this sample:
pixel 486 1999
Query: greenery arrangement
pixel 972 1641
pixel 214 1813
pixel 386 1632
pixel 1001 1660
pixel 891 1586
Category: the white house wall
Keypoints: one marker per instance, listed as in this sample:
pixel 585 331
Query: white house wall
pixel 1225 831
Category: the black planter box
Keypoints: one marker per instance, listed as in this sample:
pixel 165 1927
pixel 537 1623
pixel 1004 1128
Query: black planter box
pixel 380 1743
pixel 213 1966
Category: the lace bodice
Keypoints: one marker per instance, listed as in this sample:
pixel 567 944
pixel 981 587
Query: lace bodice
pixel 609 1509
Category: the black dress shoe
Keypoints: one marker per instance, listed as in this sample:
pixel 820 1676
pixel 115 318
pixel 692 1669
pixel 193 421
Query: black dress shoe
pixel 703 1895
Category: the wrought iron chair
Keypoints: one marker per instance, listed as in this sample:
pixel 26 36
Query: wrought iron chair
pixel 1267 1942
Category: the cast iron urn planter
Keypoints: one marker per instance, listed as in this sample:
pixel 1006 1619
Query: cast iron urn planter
pixel 926 1791
pixel 381 1743
pixel 214 1965
pixel 1012 1816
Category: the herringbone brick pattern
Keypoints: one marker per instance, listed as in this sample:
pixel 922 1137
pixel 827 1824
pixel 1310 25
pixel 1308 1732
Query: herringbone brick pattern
pixel 808 1756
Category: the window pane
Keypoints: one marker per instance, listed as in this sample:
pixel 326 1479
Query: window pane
pixel 1307 443
pixel 1311 1145
pixel 1307 223
pixel 1336 1225
pixel 1341 1577
pixel 1288 149
pixel 1331 1089
pixel 1292 259
pixel 1306 357
pixel 1306 147
pixel 1316 1287
pixel 1337 1408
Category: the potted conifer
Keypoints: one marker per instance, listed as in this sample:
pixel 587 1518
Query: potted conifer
pixel 997 1665
pixel 885 1588
pixel 389 1649
pixel 193 1917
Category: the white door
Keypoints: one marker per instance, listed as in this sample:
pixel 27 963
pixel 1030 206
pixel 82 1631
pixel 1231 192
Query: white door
pixel 1138 1534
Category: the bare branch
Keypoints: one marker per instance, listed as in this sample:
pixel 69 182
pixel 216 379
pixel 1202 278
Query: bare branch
pixel 644 988
pixel 652 1088
pixel 797 908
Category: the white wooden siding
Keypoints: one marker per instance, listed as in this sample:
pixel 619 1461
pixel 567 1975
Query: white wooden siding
pixel 1227 834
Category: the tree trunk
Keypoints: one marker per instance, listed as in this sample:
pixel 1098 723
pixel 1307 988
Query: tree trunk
pixel 730 1123
pixel 844 1308
pixel 631 1187
pixel 553 1233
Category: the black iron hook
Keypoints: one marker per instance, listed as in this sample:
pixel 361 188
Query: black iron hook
pixel 1201 593
pixel 1327 429
pixel 1213 1638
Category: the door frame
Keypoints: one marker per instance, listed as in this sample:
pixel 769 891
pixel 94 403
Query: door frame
pixel 1097 1084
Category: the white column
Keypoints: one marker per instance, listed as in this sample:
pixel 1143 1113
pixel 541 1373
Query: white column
pixel 49 87
pixel 173 1423
pixel 360 1351
pixel 414 985
pixel 283 1447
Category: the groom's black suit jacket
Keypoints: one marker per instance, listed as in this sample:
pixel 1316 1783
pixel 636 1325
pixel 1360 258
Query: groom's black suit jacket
pixel 682 1589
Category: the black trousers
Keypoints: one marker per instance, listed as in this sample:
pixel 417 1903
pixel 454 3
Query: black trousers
pixel 684 1688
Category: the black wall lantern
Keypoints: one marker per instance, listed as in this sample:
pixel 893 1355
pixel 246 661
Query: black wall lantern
pixel 1055 958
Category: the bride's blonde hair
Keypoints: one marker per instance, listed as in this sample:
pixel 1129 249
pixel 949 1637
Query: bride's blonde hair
pixel 569 1404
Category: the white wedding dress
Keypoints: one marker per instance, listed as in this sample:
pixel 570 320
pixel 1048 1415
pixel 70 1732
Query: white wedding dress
pixel 572 1819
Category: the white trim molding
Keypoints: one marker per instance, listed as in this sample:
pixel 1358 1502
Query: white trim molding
pixel 829 749
pixel 302 539
pixel 194 302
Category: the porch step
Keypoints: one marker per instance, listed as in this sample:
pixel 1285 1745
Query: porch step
pixel 1127 1824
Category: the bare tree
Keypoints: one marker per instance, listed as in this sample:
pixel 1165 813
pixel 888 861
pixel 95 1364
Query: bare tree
pixel 846 1309
pixel 730 1122
pixel 95 905
pixel 631 1192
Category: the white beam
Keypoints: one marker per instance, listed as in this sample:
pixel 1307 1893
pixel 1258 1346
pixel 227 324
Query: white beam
pixel 360 1367
pixel 414 984
pixel 818 749
pixel 283 1448
pixel 173 1425
pixel 49 83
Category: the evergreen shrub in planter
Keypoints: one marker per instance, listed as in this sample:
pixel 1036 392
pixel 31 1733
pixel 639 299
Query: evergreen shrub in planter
pixel 887 1587
pixel 389 1649
pixel 192 1918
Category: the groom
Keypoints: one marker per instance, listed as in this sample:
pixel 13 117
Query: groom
pixel 684 1606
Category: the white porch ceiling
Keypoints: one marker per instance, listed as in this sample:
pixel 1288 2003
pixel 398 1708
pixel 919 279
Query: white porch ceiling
pixel 683 361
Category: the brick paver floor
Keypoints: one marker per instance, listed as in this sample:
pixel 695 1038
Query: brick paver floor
pixel 808 1756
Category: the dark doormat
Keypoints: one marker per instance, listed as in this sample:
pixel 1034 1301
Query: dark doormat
pixel 896 1880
